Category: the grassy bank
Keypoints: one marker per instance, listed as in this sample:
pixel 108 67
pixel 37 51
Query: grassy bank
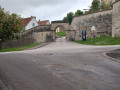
pixel 20 48
pixel 61 33
pixel 103 40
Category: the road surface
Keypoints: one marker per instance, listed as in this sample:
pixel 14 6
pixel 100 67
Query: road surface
pixel 61 65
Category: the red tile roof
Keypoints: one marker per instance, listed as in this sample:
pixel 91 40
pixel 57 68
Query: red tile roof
pixel 43 22
pixel 26 20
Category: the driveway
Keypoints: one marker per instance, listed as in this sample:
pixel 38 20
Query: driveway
pixel 61 65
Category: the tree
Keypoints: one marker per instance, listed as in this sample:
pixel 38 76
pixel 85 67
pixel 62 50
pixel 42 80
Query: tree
pixel 95 5
pixel 104 6
pixel 10 25
pixel 78 13
pixel 70 16
pixel 65 19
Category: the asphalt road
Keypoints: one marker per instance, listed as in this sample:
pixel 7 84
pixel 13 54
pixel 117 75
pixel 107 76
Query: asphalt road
pixel 61 65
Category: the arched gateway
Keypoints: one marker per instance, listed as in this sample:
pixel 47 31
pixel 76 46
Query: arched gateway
pixel 59 24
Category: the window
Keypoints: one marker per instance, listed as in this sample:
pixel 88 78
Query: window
pixel 33 24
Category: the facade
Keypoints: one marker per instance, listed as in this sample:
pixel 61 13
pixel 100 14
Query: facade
pixel 59 29
pixel 29 22
pixel 46 22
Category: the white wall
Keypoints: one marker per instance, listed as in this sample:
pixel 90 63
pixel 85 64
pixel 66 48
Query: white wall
pixel 30 25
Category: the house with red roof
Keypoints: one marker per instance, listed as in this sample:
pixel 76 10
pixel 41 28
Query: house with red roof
pixel 29 22
pixel 46 22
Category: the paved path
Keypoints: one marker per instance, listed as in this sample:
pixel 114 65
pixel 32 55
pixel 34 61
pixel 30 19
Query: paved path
pixel 60 65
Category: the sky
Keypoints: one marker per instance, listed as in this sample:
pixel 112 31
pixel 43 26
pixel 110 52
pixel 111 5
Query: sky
pixel 44 9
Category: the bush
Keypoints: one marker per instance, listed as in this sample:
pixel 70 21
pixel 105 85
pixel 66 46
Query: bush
pixel 10 25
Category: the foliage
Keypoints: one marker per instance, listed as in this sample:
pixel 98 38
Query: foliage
pixel 61 33
pixel 103 40
pixel 65 19
pixel 20 48
pixel 95 5
pixel 69 17
pixel 10 25
pixel 104 6
pixel 78 13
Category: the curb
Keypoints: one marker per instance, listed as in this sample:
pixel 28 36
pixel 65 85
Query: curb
pixel 3 86
pixel 113 59
pixel 39 46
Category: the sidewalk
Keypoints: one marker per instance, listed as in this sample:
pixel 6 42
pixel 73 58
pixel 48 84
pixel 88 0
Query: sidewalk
pixel 114 54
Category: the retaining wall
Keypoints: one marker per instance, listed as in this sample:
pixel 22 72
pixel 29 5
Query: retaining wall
pixel 101 20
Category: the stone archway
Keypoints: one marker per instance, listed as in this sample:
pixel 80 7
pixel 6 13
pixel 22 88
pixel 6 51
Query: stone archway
pixel 60 27
pixel 62 24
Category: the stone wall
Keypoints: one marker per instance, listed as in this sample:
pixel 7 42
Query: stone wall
pixel 116 19
pixel 33 35
pixel 56 24
pixel 101 20
pixel 29 39
pixel 70 36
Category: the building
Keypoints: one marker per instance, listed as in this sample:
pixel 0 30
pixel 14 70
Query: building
pixel 108 1
pixel 29 22
pixel 59 29
pixel 46 22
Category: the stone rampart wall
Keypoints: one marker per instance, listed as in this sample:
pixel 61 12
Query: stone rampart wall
pixel 116 19
pixel 101 20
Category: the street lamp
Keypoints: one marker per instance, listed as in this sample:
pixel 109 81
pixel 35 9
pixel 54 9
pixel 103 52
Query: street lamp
pixel 93 30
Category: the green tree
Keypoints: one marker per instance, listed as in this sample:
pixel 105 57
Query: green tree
pixel 70 16
pixel 10 25
pixel 78 13
pixel 95 5
pixel 65 19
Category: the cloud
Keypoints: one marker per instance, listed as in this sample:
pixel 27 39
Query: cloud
pixel 44 9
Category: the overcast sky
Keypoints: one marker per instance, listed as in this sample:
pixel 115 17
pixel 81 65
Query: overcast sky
pixel 44 9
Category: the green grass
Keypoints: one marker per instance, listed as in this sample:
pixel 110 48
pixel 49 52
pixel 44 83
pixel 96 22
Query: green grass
pixel 20 48
pixel 103 40
pixel 61 33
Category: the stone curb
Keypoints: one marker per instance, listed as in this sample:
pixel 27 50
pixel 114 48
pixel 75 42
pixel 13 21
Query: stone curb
pixel 41 45
pixel 113 59
pixel 2 85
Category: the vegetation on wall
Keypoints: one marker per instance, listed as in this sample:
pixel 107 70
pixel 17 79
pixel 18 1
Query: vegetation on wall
pixel 71 15
pixel 10 25
pixel 103 40
pixel 21 48
pixel 96 6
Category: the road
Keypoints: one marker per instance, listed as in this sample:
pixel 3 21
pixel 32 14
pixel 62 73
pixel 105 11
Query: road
pixel 61 65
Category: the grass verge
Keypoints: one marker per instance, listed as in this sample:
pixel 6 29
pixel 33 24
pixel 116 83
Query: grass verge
pixel 20 48
pixel 103 40
pixel 61 33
